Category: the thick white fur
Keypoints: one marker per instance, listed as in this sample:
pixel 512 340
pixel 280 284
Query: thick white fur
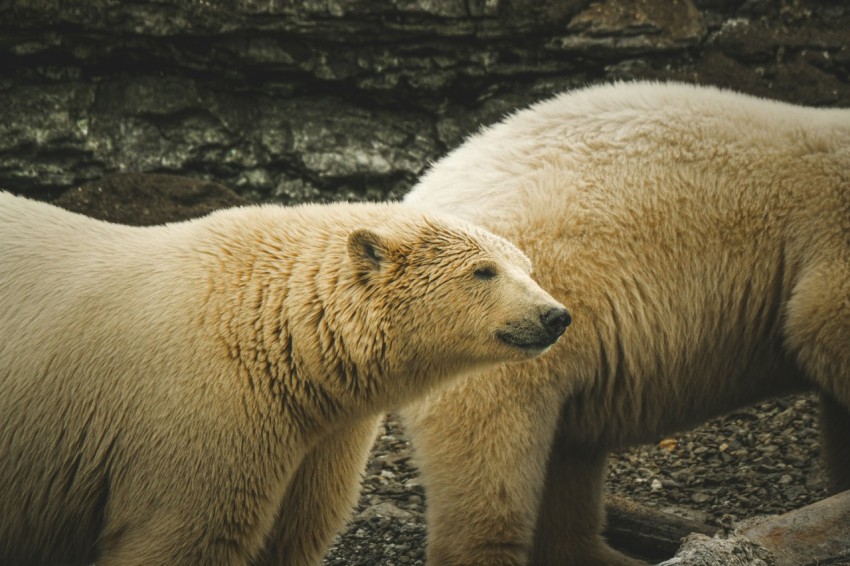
pixel 701 239
pixel 207 392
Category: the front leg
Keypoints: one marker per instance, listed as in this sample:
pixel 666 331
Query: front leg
pixel 481 449
pixel 321 497
pixel 572 512
pixel 164 538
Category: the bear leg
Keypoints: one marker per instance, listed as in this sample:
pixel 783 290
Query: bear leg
pixel 319 500
pixel 163 540
pixel 818 334
pixel 481 449
pixel 835 429
pixel 572 512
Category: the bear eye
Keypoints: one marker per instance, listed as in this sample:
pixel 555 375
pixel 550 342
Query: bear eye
pixel 485 272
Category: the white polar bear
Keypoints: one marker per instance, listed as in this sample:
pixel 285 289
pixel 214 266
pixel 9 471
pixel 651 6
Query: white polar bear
pixel 206 392
pixel 702 241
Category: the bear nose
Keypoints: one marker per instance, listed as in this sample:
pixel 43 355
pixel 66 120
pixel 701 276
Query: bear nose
pixel 556 320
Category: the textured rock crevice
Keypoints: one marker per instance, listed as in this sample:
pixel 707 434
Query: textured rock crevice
pixel 321 100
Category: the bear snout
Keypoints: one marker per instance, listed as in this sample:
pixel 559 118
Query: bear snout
pixel 555 321
pixel 536 335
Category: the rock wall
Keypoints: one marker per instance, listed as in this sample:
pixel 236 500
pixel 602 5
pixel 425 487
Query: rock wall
pixel 325 99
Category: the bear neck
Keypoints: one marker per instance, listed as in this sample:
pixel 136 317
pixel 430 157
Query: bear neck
pixel 342 351
pixel 306 342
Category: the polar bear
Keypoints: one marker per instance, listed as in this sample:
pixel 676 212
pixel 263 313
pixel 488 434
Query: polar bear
pixel 701 239
pixel 207 392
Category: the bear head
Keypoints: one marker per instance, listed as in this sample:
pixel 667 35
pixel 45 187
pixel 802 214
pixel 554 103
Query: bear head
pixel 453 295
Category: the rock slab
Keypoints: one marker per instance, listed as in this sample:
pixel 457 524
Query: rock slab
pixel 351 99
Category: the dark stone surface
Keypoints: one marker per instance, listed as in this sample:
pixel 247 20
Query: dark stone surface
pixel 350 99
pixel 143 199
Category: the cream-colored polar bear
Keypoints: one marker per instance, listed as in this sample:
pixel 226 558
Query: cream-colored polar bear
pixel 207 392
pixel 702 241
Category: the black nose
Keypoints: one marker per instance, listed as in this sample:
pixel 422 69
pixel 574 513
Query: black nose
pixel 556 321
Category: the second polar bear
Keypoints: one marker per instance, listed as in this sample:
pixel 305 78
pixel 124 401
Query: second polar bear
pixel 702 240
pixel 207 392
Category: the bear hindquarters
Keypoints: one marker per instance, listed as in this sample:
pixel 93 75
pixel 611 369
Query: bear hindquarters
pixel 319 500
pixel 818 335
pixel 572 512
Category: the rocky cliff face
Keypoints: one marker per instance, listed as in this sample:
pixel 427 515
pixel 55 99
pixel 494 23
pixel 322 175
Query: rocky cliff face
pixel 294 100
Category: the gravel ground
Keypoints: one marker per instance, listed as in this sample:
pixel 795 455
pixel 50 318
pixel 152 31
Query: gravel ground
pixel 757 461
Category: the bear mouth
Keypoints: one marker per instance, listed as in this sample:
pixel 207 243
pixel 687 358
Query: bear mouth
pixel 524 342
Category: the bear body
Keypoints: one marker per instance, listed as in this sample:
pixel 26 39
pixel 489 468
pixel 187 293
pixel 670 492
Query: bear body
pixel 702 240
pixel 207 392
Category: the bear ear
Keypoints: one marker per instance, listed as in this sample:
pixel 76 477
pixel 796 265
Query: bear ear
pixel 368 250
